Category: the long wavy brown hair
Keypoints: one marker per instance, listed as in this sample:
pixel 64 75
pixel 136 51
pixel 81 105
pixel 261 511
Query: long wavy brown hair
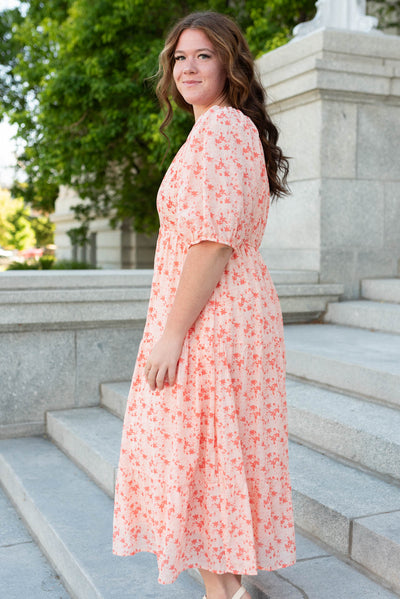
pixel 243 89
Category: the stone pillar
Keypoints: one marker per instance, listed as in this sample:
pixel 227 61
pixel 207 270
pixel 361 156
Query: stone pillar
pixel 335 95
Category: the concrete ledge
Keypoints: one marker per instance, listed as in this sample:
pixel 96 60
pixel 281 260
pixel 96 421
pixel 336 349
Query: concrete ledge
pixel 91 437
pixel 74 279
pixel 113 279
pixel 75 296
pixel 376 544
pixel 294 276
pixel 365 314
pixel 328 496
pixel 366 434
pixel 361 362
pixel 22 429
pixel 50 301
pixel 381 290
pixel 64 316
pixel 113 397
pixel 326 57
pixel 325 577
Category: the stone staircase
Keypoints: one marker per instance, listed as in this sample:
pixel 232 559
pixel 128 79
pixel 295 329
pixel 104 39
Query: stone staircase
pixel 344 420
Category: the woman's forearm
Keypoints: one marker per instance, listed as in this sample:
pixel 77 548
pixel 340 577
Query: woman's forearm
pixel 204 264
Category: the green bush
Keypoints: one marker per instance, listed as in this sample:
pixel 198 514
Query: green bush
pixel 46 262
pixel 72 265
pixel 49 262
pixel 28 265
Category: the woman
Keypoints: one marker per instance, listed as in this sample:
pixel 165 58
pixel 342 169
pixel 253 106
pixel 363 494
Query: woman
pixel 203 475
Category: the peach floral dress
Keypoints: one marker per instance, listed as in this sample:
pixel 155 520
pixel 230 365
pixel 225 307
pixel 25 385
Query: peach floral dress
pixel 203 474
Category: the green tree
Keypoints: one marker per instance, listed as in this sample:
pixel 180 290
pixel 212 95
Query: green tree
pixel 43 230
pixel 15 227
pixel 77 81
pixel 18 228
pixel 20 232
pixel 6 208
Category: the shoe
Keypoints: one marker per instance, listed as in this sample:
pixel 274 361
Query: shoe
pixel 237 595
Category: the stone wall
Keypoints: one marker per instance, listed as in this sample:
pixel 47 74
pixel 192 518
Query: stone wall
pixel 335 95
pixel 61 335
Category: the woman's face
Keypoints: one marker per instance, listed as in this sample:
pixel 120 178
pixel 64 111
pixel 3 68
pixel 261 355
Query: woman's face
pixel 198 72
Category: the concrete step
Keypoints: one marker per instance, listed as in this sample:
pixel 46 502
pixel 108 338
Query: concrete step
pixel 53 300
pixel 58 309
pixel 124 278
pixel 57 300
pixel 365 314
pixel 362 432
pixel 91 437
pixel 294 276
pixel 328 496
pixel 72 521
pixel 302 302
pixel 25 572
pixel 73 296
pixel 347 509
pixel 316 575
pixel 381 290
pixel 113 397
pixel 75 279
pixel 361 362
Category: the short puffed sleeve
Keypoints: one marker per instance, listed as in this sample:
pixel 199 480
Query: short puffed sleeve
pixel 215 198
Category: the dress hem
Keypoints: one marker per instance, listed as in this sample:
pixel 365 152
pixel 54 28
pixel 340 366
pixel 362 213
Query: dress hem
pixel 190 566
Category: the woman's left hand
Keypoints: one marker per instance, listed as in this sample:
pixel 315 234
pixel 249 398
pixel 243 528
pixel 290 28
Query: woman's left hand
pixel 203 267
pixel 161 366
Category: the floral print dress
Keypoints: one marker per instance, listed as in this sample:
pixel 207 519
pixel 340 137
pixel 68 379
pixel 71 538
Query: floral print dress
pixel 203 474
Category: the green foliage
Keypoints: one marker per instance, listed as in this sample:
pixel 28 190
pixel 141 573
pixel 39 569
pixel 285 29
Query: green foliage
pixel 28 265
pixel 43 263
pixel 72 265
pixel 43 229
pixel 77 81
pixel 49 262
pixel 46 262
pixel 273 21
pixel 388 13
pixel 6 208
pixel 15 227
pixel 18 228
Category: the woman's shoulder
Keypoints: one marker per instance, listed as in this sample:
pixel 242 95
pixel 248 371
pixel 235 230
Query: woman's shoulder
pixel 226 119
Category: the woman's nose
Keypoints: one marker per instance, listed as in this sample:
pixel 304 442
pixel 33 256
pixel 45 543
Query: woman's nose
pixel 189 67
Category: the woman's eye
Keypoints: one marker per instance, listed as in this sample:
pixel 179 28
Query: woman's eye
pixel 202 56
pixel 178 58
